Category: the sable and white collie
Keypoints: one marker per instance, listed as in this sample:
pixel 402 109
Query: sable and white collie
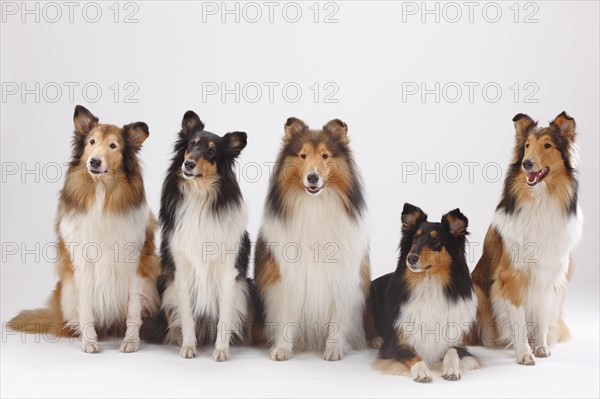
pixel 107 263
pixel 205 247
pixel 426 310
pixel 526 263
pixel 312 270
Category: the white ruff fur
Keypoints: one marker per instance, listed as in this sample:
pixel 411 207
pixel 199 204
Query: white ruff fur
pixel 204 247
pixel 539 237
pixel 319 251
pixel 105 251
pixel 432 323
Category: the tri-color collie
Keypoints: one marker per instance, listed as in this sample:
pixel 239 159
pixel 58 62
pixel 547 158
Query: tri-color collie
pixel 312 268
pixel 426 310
pixel 107 263
pixel 205 247
pixel 526 263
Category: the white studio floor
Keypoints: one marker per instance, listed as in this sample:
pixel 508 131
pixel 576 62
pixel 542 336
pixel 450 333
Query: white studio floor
pixel 60 369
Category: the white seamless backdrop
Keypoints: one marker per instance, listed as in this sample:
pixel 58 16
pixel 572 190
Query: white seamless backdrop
pixel 428 90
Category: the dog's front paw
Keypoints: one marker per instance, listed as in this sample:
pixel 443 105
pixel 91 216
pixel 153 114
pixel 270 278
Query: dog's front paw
pixel 541 351
pixel 187 351
pixel 376 342
pixel 526 358
pixel 451 374
pixel 220 355
pixel 129 345
pixel 281 354
pixel 333 353
pixel 420 372
pixel 90 346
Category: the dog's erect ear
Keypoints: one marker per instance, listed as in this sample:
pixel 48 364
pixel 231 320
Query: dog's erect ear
pixel 337 129
pixel 565 124
pixel 456 223
pixel 412 216
pixel 136 133
pixel 83 120
pixel 235 142
pixel 522 124
pixel 191 121
pixel 293 127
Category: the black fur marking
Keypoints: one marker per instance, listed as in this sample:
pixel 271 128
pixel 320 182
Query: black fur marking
pixel 462 352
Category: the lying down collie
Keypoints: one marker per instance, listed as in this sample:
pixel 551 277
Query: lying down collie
pixel 526 263
pixel 205 247
pixel 107 263
pixel 312 268
pixel 425 311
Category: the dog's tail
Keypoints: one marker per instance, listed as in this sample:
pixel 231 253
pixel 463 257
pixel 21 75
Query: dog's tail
pixel 154 328
pixel 48 320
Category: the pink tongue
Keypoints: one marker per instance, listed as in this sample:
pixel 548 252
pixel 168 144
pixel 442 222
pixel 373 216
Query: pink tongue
pixel 532 176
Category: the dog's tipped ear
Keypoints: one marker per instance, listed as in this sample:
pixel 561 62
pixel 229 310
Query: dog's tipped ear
pixel 294 126
pixel 191 121
pixel 136 133
pixel 83 120
pixel 456 223
pixel 235 142
pixel 412 216
pixel 522 125
pixel 565 124
pixel 337 128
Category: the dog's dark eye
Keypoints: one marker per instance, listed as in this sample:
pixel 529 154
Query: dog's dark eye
pixel 191 144
pixel 211 151
pixel 303 156
pixel 435 241
pixel 527 145
pixel 113 145
pixel 546 146
pixel 325 156
pixel 92 142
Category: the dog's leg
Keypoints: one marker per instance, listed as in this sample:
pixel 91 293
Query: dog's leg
pixel 184 276
pixel 516 325
pixel 131 342
pixel 84 281
pixel 457 360
pixel 402 359
pixel 232 293
pixel 451 365
pixel 282 323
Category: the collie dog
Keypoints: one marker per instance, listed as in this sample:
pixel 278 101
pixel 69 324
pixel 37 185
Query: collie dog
pixel 426 310
pixel 526 263
pixel 205 247
pixel 312 270
pixel 107 263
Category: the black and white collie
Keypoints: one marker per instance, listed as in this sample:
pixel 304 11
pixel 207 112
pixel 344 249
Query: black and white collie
pixel 312 268
pixel 107 263
pixel 526 264
pixel 205 247
pixel 425 311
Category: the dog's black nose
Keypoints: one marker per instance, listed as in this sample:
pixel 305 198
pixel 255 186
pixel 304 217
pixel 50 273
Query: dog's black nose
pixel 527 164
pixel 313 178
pixel 95 162
pixel 189 165
pixel 412 259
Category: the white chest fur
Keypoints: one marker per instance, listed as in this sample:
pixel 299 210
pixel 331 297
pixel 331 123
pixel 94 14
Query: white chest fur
pixel 204 246
pixel 105 252
pixel 432 323
pixel 540 236
pixel 319 250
